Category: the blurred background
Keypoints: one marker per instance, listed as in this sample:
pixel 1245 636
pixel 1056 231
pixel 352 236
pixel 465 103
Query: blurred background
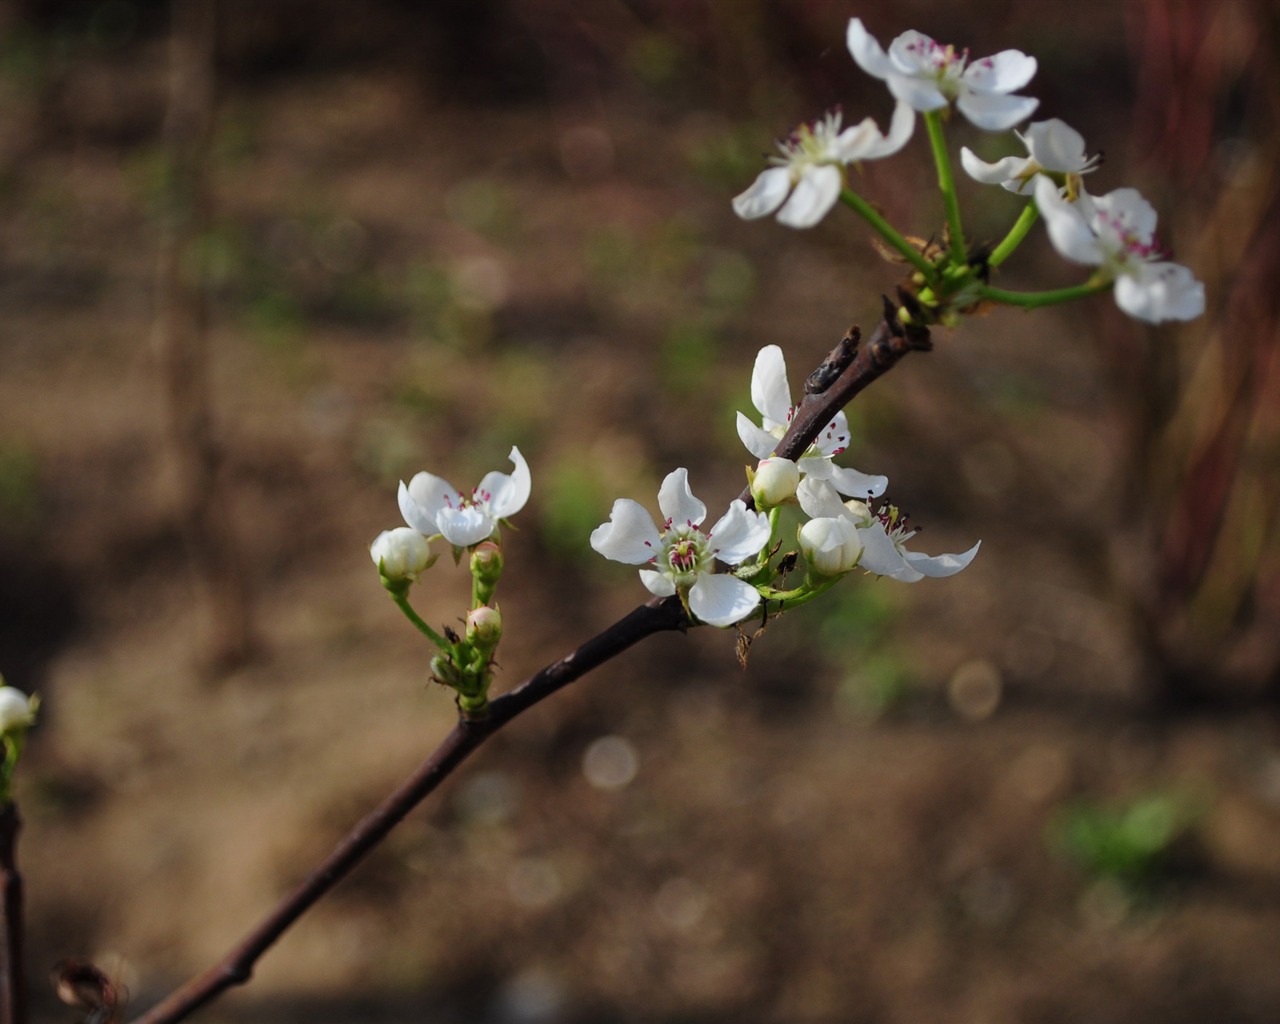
pixel 260 262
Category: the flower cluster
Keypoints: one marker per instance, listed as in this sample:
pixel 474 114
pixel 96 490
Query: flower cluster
pixel 1112 233
pixel 432 507
pixel 839 537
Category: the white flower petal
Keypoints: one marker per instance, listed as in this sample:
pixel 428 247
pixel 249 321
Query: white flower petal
pixel 814 195
pixel 858 485
pixel 901 127
pixel 997 173
pixel 770 391
pixel 1068 230
pixel 413 515
pixel 864 141
pixel 1056 146
pixel 656 583
pixel 920 94
pixel 464 526
pixel 939 566
pixel 868 53
pixel 722 600
pixel 765 195
pixel 739 534
pixel 911 53
pixel 819 499
pixel 1160 291
pixel 879 554
pixel 759 443
pixel 677 502
pixel 1125 212
pixel 629 536
pixel 507 494
pixel 996 112
pixel 1006 71
pixel 423 498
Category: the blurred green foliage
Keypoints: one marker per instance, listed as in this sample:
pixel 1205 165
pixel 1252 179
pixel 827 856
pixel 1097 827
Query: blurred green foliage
pixel 1132 843
pixel 572 503
pixel 19 488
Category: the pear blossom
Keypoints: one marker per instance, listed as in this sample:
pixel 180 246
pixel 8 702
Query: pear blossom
pixel 1116 233
pixel 806 179
pixel 883 534
pixel 929 76
pixel 771 395
pixel 401 554
pixel 1052 146
pixel 682 555
pixel 432 505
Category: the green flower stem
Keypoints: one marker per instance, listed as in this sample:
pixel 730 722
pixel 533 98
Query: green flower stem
pixel 399 591
pixel 912 255
pixel 946 182
pixel 1030 214
pixel 801 595
pixel 1034 300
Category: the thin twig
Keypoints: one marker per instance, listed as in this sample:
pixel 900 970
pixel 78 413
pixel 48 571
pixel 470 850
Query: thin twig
pixel 887 346
pixel 13 986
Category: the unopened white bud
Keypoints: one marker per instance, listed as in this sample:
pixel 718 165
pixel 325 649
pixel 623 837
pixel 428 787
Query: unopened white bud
pixel 401 553
pixel 831 546
pixel 17 710
pixel 775 481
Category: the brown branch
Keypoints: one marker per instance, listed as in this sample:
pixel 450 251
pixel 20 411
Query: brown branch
pixel 13 986
pixel 846 377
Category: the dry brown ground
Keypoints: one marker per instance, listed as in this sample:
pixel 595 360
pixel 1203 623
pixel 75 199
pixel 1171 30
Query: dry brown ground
pixel 407 279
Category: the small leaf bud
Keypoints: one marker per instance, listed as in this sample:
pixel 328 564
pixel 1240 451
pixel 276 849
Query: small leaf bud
pixel 484 627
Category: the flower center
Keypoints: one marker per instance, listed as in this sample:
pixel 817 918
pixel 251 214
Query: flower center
pixel 479 499
pixel 684 552
pixel 943 62
pixel 812 142
pixel 894 521
pixel 1130 243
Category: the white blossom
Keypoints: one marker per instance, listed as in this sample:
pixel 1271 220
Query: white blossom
pixel 401 554
pixel 771 395
pixel 830 545
pixel 775 481
pixel 682 556
pixel 806 179
pixel 930 76
pixel 1116 233
pixel 432 505
pixel 883 534
pixel 1052 146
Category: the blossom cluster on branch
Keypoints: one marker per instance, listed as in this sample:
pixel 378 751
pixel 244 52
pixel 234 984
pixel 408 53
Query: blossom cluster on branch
pixel 1114 233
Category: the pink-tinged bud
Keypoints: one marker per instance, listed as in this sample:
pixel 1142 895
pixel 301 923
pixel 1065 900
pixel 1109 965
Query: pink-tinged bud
pixel 17 710
pixel 774 482
pixel 401 554
pixel 486 562
pixel 484 627
pixel 830 546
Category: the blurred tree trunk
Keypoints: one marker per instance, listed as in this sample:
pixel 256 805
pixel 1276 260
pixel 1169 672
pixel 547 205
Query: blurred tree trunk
pixel 181 337
pixel 1205 474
